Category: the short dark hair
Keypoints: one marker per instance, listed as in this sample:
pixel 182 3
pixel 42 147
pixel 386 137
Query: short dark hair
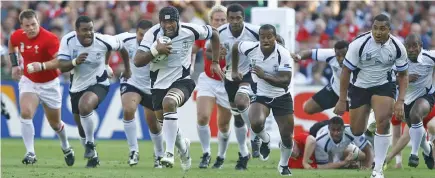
pixel 382 18
pixel 144 24
pixel 82 19
pixel 336 120
pixel 268 27
pixel 236 8
pixel 413 37
pixel 341 44
pixel 28 14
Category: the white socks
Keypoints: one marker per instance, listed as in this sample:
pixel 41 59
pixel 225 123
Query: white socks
pixel 223 141
pixel 130 133
pixel 285 155
pixel 27 132
pixel 158 143
pixel 170 128
pixel 241 139
pixel 61 133
pixel 88 126
pixel 264 136
pixel 204 137
pixel 382 142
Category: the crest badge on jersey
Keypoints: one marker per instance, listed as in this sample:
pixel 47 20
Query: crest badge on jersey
pixel 36 49
pixel 98 55
pixel 22 47
pixel 227 46
pixel 368 57
pixel 185 44
pixel 275 67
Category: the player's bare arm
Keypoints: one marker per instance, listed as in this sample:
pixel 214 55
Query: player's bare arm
pixel 310 146
pixel 67 65
pixel 13 57
pixel 282 79
pixel 142 58
pixel 124 55
pixel 235 62
pixel 303 55
pixel 215 47
pixel 108 68
pixel 340 108
pixel 41 66
pixel 402 77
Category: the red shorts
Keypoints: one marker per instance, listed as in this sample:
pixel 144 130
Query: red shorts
pixel 426 120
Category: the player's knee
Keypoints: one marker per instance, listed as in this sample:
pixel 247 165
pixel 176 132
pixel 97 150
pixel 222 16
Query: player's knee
pixel 238 122
pixel 224 128
pixel 309 109
pixel 203 118
pixel 257 126
pixel 416 115
pixel 128 113
pixel 169 104
pixel 357 131
pixel 26 113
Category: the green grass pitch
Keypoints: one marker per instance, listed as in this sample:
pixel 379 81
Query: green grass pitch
pixel 114 154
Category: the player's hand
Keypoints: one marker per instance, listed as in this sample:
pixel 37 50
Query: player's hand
pixel 34 67
pixel 398 109
pixel 222 52
pixel 109 71
pixel 296 57
pixel 307 166
pixel 81 58
pixel 258 71
pixel 164 48
pixel 17 72
pixel 340 107
pixel 126 75
pixel 413 77
pixel 236 76
pixel 348 158
pixel 216 70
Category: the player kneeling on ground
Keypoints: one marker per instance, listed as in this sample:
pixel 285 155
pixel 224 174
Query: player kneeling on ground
pixel 336 147
pixel 271 65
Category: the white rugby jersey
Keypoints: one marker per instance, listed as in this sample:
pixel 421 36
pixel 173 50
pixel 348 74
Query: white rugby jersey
pixel 326 147
pixel 279 60
pixel 249 33
pixel 328 56
pixel 372 63
pixel 177 65
pixel 424 68
pixel 93 70
pixel 140 76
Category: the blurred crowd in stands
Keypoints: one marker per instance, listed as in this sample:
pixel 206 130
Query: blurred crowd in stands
pixel 319 24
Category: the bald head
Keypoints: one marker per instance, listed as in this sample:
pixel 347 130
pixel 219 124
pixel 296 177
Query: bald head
pixel 413 46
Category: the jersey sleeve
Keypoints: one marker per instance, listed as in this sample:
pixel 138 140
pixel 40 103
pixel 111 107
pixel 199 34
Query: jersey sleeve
pixel 53 46
pixel 64 53
pixel 245 47
pixel 201 32
pixel 324 55
pixel 148 39
pixel 286 61
pixel 351 60
pixel 14 38
pixel 431 55
pixel 112 42
pixel 402 61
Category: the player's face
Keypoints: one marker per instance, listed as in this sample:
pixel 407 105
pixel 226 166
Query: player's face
pixel 336 132
pixel 236 20
pixel 30 26
pixel 218 19
pixel 413 48
pixel 380 31
pixel 85 33
pixel 340 54
pixel 140 33
pixel 169 27
pixel 267 39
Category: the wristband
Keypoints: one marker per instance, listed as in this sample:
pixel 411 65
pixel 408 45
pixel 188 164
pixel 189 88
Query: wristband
pixel 74 63
pixel 43 66
pixel 299 56
pixel 154 52
pixel 14 59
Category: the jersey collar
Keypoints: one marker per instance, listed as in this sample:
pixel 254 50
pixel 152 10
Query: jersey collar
pixel 386 43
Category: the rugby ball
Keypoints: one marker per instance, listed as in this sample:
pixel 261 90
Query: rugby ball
pixel 355 152
pixel 161 57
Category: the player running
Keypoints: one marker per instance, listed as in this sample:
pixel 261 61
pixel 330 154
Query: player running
pixel 135 91
pixel 211 91
pixel 239 92
pixel 419 99
pixel 38 47
pixel 371 57
pixel 171 85
pixel 83 51
pixel 328 96
pixel 271 64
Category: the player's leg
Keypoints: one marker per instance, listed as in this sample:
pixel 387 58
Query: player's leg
pixel 155 130
pixel 204 104
pixel 176 96
pixel 419 110
pixel 257 117
pixel 89 100
pixel 240 128
pixel 28 105
pixel 282 109
pixel 80 129
pixel 51 97
pixel 430 125
pixel 130 99
pixel 223 118
pixel 322 100
pixel 397 132
pixel 399 145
